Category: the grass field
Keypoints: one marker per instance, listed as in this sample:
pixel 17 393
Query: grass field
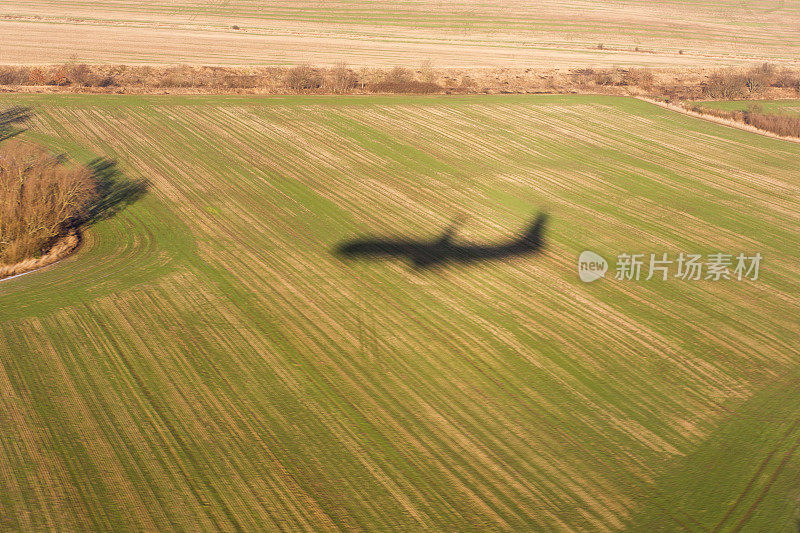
pixel 462 33
pixel 205 362
pixel 791 107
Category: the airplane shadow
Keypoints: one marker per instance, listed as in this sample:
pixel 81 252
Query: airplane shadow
pixel 428 253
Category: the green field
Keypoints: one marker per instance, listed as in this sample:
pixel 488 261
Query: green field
pixel 790 107
pixel 205 362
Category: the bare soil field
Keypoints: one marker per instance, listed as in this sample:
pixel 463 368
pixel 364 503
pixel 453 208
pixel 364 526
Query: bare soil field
pixel 465 33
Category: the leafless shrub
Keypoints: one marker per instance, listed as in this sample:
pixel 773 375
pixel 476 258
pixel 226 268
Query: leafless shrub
pixel 303 78
pixel 241 81
pixel 782 125
pixel 102 81
pixel 583 76
pixel 58 251
pixel 638 77
pixel 57 76
pixel 605 78
pixel 426 72
pixel 407 87
pixel 401 80
pixel 726 84
pixel 398 75
pixel 37 77
pixel 15 75
pixel 78 73
pixel 787 79
pixel 759 77
pixel 180 76
pixel 341 79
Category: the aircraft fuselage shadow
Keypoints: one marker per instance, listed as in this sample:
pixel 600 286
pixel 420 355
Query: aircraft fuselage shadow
pixel 425 254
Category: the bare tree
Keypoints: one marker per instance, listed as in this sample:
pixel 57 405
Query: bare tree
pixel 342 79
pixel 726 84
pixel 41 197
pixel 303 78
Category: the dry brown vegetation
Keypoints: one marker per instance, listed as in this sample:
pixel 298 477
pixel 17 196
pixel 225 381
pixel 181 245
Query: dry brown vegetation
pixel 782 125
pixel 58 251
pixel 759 81
pixel 732 83
pixel 42 198
pixel 402 80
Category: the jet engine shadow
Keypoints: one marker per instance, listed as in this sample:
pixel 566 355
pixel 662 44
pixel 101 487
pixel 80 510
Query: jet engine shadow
pixel 429 253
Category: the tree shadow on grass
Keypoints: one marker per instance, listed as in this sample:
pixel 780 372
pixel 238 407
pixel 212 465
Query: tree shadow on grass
pixel 9 120
pixel 115 191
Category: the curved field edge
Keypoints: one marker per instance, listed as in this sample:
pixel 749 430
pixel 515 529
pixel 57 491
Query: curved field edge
pixel 239 376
